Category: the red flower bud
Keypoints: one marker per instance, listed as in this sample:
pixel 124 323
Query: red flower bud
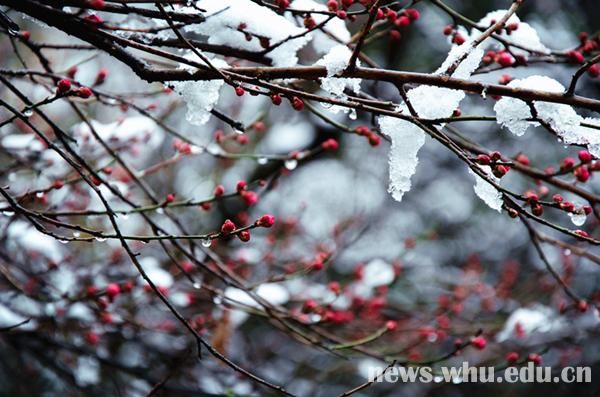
pixel 219 191
pixel 413 14
pixel 241 185
pixel 479 342
pixel 244 235
pixel 297 103
pixel 535 358
pixel 585 156
pixel 512 357
pixel 582 174
pixel 101 76
pixel 276 99
pixel 330 145
pixel 484 159
pixel 227 227
pixel 249 197
pixel 267 220
pixel 112 290
pixel 84 92
pixel 576 57
pixel 505 59
pixel 374 139
pixel 63 86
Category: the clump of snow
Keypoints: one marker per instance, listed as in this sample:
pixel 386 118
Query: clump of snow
pixel 578 219
pixel 274 293
pixel 378 272
pixel 26 237
pixel 434 102
pixel 439 102
pixel 87 371
pixel 537 319
pixel 321 41
pixel 407 139
pixel 285 137
pixel 199 96
pixel 159 276
pixel 371 368
pixel 336 61
pixel 513 113
pixel 22 144
pixel 8 318
pixel 468 65
pixel 225 17
pixel 525 36
pixel 586 135
pixel 428 102
pixel 486 191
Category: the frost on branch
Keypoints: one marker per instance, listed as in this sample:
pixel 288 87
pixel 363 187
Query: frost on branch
pixel 233 22
pixel 199 96
pixel 322 42
pixel 335 61
pixel 407 139
pixel 525 36
pixel 513 113
pixel 486 191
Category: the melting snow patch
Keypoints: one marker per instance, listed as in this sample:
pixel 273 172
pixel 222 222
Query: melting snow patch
pixel 226 17
pixel 486 191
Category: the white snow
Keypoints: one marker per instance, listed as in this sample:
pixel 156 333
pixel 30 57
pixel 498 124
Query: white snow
pixel 87 371
pixel 468 65
pixel 273 293
pixel 578 219
pixel 512 114
pixel 434 102
pixel 141 134
pixel 371 368
pixel 378 272
pixel 428 102
pixel 26 237
pixel 407 139
pixel 159 276
pixel 8 318
pixel 335 61
pixel 199 96
pixel 22 143
pixel 225 16
pixel 322 42
pixel 586 135
pixel 537 319
pixel 486 191
pixel 525 36
pixel 284 137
